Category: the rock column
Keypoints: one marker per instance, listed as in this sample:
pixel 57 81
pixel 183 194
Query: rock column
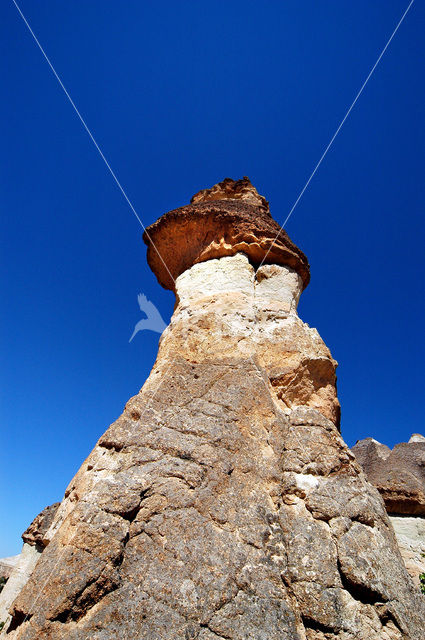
pixel 223 503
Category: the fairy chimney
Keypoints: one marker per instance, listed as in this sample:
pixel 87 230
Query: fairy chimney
pixel 223 503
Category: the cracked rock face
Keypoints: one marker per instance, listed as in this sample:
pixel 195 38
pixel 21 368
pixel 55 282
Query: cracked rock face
pixel 223 503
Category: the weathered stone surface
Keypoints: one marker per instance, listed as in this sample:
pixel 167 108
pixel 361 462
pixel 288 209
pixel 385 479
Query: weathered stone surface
pixel 416 437
pixel 230 189
pixel 36 532
pixel 225 304
pixel 399 475
pixel 223 503
pixel 370 453
pixel 213 228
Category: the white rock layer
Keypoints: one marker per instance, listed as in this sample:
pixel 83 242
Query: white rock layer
pixel 410 534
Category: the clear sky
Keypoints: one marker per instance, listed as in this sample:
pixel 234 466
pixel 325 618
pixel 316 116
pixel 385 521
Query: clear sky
pixel 180 95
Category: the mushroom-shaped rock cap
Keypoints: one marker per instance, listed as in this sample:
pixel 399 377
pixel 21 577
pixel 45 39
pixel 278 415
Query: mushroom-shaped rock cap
pixel 229 218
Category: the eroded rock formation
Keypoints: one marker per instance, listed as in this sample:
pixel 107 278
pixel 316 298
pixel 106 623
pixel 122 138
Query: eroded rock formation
pixel 399 476
pixel 223 503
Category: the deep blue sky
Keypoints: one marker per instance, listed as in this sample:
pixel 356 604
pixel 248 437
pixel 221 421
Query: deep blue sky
pixel 180 95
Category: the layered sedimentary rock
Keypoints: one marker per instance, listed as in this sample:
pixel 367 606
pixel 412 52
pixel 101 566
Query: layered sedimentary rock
pixel 399 476
pixel 223 503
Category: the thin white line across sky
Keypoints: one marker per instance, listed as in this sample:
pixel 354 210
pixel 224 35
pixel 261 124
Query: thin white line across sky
pixel 338 130
pixel 118 183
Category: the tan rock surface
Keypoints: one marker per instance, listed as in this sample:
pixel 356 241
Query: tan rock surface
pixel 223 503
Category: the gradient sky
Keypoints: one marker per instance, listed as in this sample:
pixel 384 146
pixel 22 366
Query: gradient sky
pixel 180 95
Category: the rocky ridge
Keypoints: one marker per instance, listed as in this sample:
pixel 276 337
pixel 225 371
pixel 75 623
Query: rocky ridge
pixel 223 503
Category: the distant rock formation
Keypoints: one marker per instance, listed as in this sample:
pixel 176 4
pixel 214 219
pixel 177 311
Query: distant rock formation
pixel 223 503
pixel 399 476
pixel 7 565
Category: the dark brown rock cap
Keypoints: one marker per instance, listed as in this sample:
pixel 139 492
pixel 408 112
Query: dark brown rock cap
pixel 229 218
